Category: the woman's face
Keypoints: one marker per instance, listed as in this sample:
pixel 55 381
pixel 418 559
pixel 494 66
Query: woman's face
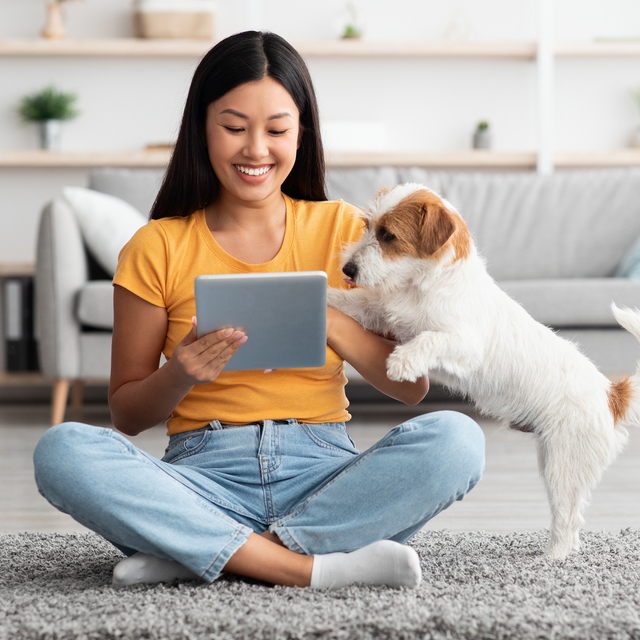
pixel 252 139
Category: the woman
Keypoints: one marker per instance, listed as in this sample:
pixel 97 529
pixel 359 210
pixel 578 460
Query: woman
pixel 260 477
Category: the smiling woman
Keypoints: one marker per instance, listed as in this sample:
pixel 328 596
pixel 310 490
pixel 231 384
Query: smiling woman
pixel 260 477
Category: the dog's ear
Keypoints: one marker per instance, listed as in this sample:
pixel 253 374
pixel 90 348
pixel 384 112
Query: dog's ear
pixel 436 228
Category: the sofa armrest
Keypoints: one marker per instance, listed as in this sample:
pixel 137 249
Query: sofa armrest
pixel 61 270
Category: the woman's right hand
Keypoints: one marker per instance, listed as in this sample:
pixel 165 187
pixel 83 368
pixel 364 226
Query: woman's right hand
pixel 200 360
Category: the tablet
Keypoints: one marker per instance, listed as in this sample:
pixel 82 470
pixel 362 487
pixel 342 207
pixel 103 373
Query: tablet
pixel 284 314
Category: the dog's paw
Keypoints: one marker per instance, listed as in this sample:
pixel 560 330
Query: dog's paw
pixel 335 297
pixel 400 367
pixel 558 551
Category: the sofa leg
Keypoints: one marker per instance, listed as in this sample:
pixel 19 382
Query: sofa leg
pixel 77 395
pixel 59 400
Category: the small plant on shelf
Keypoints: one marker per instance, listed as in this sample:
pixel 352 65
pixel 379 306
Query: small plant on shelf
pixel 352 30
pixel 48 104
pixel 48 108
pixel 482 138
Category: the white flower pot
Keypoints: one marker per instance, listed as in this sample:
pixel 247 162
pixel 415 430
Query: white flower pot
pixel 482 139
pixel 50 134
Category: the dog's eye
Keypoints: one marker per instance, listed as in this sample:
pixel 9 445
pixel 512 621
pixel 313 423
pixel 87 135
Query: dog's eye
pixel 384 235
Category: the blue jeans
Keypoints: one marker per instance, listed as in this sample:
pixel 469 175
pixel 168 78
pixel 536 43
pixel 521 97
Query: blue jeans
pixel 306 483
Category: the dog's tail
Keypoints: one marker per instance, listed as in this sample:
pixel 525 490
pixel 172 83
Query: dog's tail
pixel 624 395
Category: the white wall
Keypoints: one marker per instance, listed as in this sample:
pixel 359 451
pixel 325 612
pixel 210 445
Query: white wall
pixel 425 105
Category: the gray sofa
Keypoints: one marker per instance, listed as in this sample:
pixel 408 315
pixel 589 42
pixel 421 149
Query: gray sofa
pixel 552 242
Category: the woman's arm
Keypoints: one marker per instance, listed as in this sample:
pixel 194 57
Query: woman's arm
pixel 367 353
pixel 142 394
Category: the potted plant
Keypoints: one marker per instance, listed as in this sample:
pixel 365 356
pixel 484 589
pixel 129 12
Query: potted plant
pixel 351 30
pixel 48 108
pixel 482 136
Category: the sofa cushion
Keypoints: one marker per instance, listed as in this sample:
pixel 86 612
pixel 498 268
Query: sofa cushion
pixel 358 186
pixel 574 302
pixel 138 187
pixel 106 222
pixel 94 304
pixel 571 224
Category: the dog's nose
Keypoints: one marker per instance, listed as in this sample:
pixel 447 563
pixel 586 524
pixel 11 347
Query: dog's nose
pixel 350 270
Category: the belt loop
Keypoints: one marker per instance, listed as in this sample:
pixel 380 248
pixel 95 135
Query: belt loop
pixel 215 425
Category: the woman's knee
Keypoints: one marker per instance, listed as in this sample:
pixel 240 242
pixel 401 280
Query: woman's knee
pixel 60 452
pixel 455 438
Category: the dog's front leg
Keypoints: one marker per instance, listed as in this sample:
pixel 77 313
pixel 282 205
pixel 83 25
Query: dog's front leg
pixel 356 303
pixel 433 350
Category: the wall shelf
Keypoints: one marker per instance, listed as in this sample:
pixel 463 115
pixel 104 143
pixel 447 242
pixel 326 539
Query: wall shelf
pixel 83 159
pixel 599 49
pixel 439 159
pixel 138 47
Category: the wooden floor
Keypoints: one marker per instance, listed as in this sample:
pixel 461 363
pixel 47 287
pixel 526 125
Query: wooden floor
pixel 509 498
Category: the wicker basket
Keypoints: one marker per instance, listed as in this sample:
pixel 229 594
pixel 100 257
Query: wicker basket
pixel 190 19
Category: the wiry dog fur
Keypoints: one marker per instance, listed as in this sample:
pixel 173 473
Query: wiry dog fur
pixel 421 279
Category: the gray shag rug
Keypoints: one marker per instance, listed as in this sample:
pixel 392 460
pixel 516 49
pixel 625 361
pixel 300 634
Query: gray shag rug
pixel 475 585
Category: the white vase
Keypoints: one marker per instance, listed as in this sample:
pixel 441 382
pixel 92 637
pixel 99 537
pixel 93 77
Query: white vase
pixel 50 134
pixel 54 28
pixel 482 139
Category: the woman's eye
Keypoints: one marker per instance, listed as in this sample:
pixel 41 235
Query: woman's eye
pixel 234 129
pixel 278 133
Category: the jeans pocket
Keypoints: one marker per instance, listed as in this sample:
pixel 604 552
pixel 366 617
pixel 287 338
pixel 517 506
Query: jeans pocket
pixel 183 445
pixel 330 435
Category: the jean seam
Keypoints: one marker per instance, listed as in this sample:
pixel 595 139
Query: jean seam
pixel 243 531
pixel 288 539
pixel 318 441
pixel 282 522
pixel 110 433
pixel 181 456
pixel 191 490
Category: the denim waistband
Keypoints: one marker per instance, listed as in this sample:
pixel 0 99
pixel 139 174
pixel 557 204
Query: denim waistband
pixel 216 425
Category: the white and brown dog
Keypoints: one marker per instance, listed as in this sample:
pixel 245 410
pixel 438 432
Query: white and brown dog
pixel 421 279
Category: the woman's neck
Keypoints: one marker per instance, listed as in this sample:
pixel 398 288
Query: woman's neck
pixel 228 214
pixel 251 233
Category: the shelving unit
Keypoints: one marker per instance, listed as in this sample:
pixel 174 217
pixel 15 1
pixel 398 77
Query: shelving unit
pixel 539 52
pixel 444 159
pixel 136 47
pixel 133 47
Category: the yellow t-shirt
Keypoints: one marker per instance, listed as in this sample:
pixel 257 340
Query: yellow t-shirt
pixel 159 264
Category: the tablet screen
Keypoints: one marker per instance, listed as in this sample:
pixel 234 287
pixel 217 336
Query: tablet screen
pixel 284 315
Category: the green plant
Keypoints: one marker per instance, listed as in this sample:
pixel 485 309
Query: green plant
pixel 483 126
pixel 48 104
pixel 350 32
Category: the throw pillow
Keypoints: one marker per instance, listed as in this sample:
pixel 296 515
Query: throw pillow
pixel 630 265
pixel 107 223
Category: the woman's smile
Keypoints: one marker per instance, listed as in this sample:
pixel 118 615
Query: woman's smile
pixel 253 174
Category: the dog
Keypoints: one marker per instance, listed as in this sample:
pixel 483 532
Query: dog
pixel 419 277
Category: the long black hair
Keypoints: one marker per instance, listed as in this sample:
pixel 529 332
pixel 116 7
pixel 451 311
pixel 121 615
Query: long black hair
pixel 190 182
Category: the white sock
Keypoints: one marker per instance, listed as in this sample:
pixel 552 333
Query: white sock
pixel 383 562
pixel 141 568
